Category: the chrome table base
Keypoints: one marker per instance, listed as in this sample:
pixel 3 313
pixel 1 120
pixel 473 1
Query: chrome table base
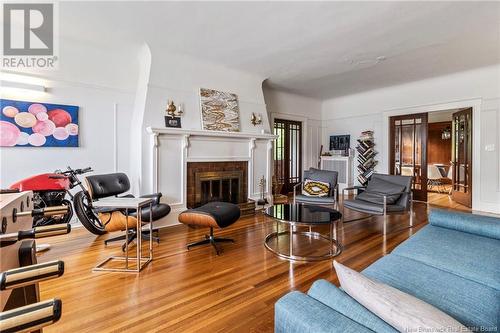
pixel 335 248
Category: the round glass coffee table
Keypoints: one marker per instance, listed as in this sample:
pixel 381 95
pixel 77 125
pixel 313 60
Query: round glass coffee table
pixel 301 215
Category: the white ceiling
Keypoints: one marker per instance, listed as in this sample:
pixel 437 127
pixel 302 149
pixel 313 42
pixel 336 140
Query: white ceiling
pixel 318 49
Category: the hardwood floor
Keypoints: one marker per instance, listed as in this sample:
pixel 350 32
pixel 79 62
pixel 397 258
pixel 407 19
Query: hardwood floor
pixel 190 291
pixel 444 200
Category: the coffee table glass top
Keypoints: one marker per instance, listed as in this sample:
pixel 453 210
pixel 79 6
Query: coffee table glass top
pixel 303 214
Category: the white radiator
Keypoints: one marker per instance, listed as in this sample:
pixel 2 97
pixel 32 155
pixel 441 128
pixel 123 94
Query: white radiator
pixel 341 164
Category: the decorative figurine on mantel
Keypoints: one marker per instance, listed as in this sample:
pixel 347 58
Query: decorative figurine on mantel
pixel 173 118
pixel 262 185
pixel 256 119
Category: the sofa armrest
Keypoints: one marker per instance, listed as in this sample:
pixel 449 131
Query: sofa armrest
pixel 155 196
pixel 481 225
pixel 338 300
pixel 298 313
pixel 125 196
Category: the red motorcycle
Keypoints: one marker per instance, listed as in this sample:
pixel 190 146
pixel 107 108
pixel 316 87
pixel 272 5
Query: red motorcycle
pixel 50 189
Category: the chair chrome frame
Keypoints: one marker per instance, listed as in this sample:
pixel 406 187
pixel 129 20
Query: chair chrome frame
pixel 385 212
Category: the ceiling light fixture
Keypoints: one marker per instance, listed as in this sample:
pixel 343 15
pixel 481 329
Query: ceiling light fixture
pixel 22 85
pixel 367 61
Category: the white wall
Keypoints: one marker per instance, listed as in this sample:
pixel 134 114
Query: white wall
pixel 307 110
pixel 179 78
pixel 354 113
pixel 98 82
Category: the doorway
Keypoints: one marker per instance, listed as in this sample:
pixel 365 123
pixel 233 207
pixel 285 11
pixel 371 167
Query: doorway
pixel 287 153
pixel 435 148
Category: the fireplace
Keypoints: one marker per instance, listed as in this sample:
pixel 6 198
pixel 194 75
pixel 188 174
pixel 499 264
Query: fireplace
pixel 216 181
pixel 218 186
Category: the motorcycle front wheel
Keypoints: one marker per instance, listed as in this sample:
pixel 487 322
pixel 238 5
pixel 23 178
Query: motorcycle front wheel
pixel 86 214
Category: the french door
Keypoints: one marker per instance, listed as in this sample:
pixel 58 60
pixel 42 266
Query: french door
pixel 461 157
pixel 408 150
pixel 288 153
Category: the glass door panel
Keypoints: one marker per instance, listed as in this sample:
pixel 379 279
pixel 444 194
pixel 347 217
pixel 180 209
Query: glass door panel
pixel 408 150
pixel 288 153
pixel 462 157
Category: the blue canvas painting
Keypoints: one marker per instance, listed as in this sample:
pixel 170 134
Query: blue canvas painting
pixel 33 124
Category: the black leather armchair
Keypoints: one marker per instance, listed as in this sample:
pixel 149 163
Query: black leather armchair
pixel 384 195
pixel 114 184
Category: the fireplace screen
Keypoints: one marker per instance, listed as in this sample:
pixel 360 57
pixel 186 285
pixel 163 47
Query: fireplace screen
pixel 218 186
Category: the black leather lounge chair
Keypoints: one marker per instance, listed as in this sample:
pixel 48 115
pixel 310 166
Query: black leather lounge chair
pixel 114 184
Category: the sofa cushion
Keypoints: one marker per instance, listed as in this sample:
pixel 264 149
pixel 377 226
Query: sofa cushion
pixel 402 311
pixel 471 303
pixel 473 257
pixel 330 295
pixel 298 313
pixel 377 186
pixel 369 207
pixel 481 225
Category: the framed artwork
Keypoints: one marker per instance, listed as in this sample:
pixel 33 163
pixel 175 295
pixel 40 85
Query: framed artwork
pixel 219 110
pixel 33 124
pixel 340 142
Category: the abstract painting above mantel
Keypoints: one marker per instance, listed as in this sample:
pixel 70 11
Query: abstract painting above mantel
pixel 33 124
pixel 219 111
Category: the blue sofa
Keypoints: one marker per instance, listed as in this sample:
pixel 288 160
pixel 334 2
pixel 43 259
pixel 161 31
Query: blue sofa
pixel 453 263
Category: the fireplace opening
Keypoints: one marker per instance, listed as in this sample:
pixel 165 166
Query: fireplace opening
pixel 218 186
pixel 217 181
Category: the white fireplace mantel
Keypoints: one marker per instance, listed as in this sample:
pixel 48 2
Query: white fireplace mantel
pixel 220 134
pixel 173 148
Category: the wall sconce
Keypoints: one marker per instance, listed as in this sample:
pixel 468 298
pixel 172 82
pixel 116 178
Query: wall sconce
pixel 446 133
pixel 172 109
pixel 256 120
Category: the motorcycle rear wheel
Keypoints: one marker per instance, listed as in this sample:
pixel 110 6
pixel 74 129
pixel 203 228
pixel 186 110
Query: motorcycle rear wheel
pixel 86 214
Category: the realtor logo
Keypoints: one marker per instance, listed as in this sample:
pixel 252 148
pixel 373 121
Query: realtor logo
pixel 28 35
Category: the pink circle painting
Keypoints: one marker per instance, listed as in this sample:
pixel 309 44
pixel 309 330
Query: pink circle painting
pixel 45 128
pixel 10 111
pixel 8 134
pixel 23 139
pixel 60 133
pixel 42 116
pixel 72 129
pixel 25 119
pixel 36 139
pixel 37 108
pixel 60 117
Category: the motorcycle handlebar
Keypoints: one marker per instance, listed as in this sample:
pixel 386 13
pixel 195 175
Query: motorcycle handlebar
pixel 77 171
pixel 89 169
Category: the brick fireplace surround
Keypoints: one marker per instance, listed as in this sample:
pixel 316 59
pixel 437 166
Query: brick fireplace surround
pixel 196 167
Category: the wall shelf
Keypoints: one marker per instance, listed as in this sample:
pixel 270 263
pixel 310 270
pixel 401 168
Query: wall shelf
pixel 366 157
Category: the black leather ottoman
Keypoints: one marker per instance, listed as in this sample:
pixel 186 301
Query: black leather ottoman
pixel 212 214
